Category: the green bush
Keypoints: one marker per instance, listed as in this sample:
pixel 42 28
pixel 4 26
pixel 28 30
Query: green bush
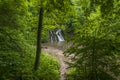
pixel 13 66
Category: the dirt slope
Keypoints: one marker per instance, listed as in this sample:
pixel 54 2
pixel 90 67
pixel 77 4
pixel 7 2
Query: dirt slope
pixel 59 55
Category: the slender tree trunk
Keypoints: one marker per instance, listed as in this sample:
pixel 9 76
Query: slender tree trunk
pixel 38 51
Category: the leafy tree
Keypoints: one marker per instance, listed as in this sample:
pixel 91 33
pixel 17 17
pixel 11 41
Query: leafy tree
pixel 53 4
pixel 10 23
pixel 96 43
pixel 18 27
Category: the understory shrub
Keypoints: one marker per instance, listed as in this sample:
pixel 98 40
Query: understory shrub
pixel 13 66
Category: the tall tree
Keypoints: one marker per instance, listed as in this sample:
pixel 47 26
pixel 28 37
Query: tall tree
pixel 38 51
pixel 53 5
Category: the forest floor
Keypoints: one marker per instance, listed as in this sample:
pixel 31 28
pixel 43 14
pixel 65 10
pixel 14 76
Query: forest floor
pixel 58 53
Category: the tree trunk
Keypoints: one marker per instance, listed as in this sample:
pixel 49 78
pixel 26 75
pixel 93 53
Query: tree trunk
pixel 38 51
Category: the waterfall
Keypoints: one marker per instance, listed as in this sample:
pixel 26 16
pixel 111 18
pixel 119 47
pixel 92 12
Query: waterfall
pixel 56 35
pixel 59 35
pixel 51 36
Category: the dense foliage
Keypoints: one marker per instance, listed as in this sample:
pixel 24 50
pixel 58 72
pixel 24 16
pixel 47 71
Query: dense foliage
pixel 15 67
pixel 18 27
pixel 96 43
pixel 91 26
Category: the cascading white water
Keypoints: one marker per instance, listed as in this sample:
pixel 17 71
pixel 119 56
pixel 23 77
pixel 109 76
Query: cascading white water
pixel 51 37
pixel 56 35
pixel 59 35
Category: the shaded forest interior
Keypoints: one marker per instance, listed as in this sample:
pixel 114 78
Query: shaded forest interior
pixel 87 31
